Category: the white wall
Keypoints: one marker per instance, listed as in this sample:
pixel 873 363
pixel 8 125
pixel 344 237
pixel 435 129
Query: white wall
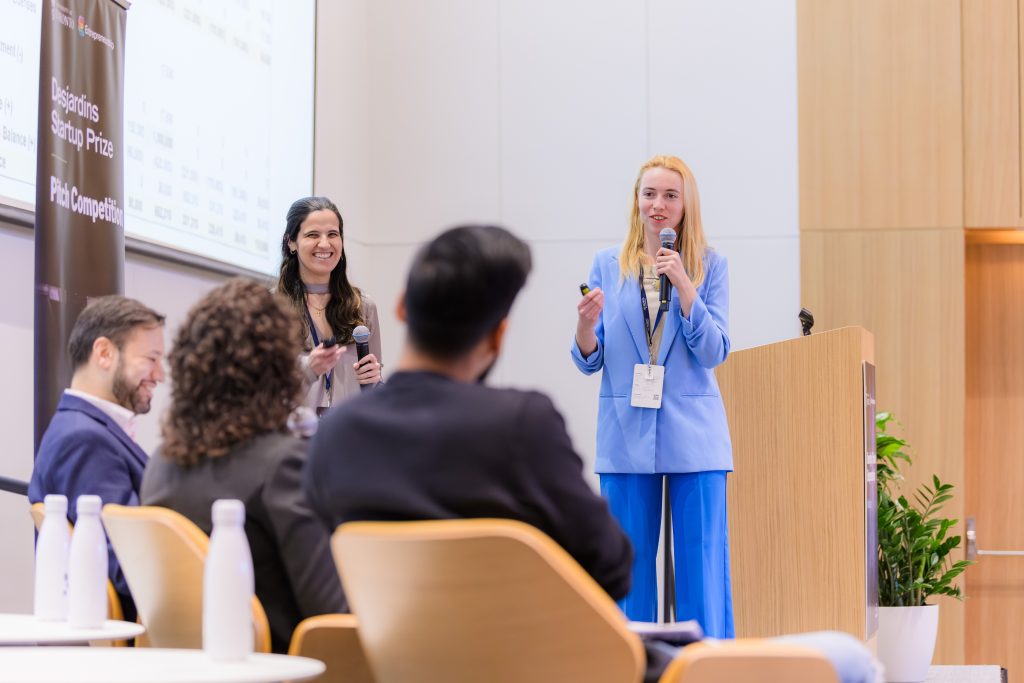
pixel 16 361
pixel 531 113
pixel 536 114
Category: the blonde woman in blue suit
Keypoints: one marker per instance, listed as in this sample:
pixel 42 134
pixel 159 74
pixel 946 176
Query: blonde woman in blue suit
pixel 669 360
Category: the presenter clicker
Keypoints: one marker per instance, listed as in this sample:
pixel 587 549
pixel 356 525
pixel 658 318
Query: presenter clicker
pixel 314 278
pixel 660 413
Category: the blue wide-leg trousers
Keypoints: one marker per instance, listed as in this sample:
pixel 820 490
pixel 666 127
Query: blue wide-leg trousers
pixel 700 543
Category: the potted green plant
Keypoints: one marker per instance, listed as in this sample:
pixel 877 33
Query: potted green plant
pixel 914 561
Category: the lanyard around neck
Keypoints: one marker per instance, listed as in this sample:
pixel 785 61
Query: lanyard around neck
pixel 328 377
pixel 648 330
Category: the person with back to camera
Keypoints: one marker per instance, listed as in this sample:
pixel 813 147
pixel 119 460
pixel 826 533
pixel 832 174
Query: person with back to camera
pixel 235 381
pixel 435 442
pixel 438 443
pixel 651 355
pixel 314 278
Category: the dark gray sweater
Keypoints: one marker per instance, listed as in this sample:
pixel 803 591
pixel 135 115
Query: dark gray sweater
pixel 295 573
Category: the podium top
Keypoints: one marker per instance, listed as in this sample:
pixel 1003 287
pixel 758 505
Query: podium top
pixel 854 337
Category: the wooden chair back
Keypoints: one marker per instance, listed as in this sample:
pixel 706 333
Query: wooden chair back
pixel 464 601
pixel 750 661
pixel 162 554
pixel 334 640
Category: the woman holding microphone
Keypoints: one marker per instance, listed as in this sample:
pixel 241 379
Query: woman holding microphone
pixel 313 277
pixel 660 413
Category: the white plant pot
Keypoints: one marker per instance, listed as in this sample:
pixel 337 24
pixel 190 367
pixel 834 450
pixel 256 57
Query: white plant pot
pixel 906 641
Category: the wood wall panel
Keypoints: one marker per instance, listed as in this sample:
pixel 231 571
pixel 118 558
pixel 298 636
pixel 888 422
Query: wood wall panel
pixel 906 287
pixel 991 83
pixel 994 440
pixel 880 114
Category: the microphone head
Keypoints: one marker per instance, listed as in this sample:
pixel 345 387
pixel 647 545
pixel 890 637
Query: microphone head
pixel 361 334
pixel 668 237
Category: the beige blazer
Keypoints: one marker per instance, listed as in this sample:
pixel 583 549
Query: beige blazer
pixel 343 382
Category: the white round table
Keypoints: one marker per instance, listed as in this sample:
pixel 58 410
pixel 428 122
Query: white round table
pixel 146 665
pixel 25 629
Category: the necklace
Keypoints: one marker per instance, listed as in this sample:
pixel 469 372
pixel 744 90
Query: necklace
pixel 318 311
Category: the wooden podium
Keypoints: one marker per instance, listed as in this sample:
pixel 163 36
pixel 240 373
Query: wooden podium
pixel 802 497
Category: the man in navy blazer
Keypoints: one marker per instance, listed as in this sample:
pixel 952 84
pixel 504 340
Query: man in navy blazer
pixel 117 351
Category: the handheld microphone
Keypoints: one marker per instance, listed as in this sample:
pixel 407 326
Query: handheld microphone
pixel 668 240
pixel 361 336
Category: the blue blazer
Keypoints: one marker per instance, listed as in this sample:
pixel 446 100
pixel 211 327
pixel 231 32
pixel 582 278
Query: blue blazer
pixel 689 432
pixel 84 451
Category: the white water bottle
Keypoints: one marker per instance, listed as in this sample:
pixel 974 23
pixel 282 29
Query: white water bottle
pixel 87 567
pixel 51 591
pixel 228 586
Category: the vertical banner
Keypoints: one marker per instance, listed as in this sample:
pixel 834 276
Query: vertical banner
pixel 79 235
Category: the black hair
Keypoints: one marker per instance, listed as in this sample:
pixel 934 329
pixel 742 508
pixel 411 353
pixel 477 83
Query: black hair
pixel 113 317
pixel 461 286
pixel 345 307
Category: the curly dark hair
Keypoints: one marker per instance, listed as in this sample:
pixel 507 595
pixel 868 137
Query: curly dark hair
pixel 345 307
pixel 234 371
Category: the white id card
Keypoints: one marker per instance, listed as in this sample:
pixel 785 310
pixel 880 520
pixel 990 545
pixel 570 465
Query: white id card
pixel 648 381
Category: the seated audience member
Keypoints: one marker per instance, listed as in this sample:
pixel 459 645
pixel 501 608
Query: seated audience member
pixel 235 381
pixel 117 350
pixel 435 443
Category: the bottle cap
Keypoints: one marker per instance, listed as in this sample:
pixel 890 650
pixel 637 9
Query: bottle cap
pixel 228 511
pixel 89 505
pixel 56 504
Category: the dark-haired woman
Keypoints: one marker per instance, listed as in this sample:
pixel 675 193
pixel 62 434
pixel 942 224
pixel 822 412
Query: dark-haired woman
pixel 224 436
pixel 313 277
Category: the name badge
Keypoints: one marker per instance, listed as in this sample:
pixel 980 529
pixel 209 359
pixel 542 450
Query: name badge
pixel 648 382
